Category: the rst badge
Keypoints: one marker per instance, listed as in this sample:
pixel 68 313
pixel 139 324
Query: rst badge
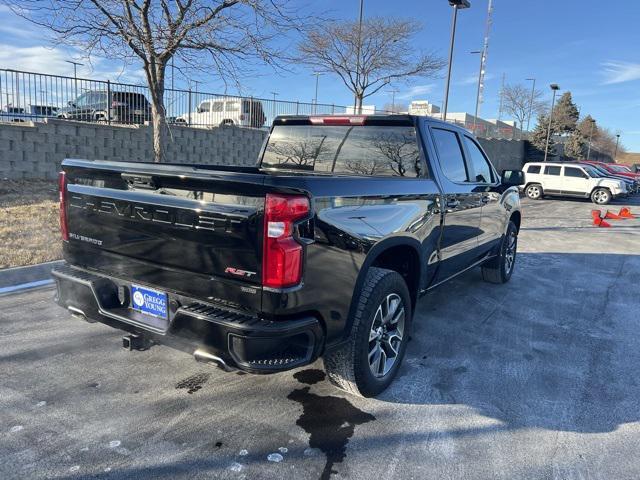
pixel 239 273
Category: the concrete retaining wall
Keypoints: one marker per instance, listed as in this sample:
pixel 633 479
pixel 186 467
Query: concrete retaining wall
pixel 504 154
pixel 35 150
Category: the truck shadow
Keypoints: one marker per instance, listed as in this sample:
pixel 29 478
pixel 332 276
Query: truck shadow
pixel 551 349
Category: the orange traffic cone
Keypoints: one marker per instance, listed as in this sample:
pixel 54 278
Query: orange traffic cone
pixel 597 219
pixel 626 213
pixel 612 216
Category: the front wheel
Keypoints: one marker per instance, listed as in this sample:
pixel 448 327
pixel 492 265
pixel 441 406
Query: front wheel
pixel 499 269
pixel 368 362
pixel 601 196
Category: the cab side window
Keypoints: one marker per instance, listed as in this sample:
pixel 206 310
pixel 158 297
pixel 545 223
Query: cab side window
pixel 481 167
pixel 450 155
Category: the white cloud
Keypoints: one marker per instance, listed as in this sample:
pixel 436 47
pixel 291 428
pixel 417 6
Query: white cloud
pixel 473 79
pixel 619 72
pixel 53 61
pixel 416 91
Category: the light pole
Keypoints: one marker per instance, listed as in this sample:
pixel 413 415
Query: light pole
pixel 358 47
pixel 75 75
pixel 593 125
pixel 315 98
pixel 457 5
pixel 555 88
pixel 393 99
pixel 533 91
pixel 475 115
pixel 615 155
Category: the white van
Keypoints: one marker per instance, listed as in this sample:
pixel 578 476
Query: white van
pixel 570 180
pixel 215 112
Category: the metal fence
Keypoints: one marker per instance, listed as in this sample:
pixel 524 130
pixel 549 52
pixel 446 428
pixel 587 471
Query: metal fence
pixel 28 96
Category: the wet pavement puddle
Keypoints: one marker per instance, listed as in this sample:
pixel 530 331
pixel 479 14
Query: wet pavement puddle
pixel 330 421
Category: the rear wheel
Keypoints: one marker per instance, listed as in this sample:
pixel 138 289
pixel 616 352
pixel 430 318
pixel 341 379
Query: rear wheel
pixel 226 123
pixel 534 191
pixel 601 196
pixel 499 269
pixel 368 362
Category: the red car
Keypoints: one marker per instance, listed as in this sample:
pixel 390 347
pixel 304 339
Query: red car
pixel 616 169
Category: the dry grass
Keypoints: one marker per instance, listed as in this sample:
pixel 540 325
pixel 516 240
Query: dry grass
pixel 29 228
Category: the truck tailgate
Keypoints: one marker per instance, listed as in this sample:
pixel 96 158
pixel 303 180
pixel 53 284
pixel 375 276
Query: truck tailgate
pixel 170 223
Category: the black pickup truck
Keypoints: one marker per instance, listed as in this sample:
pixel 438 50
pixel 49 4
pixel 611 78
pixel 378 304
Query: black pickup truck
pixel 322 249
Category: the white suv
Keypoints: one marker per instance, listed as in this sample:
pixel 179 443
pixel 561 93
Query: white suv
pixel 214 112
pixel 570 180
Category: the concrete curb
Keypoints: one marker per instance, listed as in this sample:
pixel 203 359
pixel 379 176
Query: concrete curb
pixel 19 278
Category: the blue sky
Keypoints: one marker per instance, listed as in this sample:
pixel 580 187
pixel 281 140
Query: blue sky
pixel 589 47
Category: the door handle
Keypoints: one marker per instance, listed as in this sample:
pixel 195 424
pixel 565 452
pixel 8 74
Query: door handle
pixel 453 203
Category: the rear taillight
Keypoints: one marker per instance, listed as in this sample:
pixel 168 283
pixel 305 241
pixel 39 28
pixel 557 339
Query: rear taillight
pixel 62 187
pixel 282 255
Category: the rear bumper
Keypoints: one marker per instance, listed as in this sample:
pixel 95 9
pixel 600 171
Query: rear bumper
pixel 241 341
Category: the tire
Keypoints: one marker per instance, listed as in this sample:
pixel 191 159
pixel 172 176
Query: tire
pixel 348 367
pixel 534 191
pixel 499 269
pixel 601 196
pixel 226 123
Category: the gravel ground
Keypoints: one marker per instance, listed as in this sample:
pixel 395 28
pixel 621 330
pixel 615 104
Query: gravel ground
pixel 533 379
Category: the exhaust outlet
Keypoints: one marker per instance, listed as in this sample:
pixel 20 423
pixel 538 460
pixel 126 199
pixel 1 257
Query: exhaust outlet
pixel 206 357
pixel 79 314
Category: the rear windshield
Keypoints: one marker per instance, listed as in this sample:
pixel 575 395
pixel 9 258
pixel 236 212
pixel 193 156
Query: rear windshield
pixel 353 150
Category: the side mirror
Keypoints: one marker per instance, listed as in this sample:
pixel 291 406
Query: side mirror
pixel 71 104
pixel 512 178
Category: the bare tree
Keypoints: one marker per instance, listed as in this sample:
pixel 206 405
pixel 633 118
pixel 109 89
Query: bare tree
pixel 300 154
pixel 517 101
pixel 370 58
pixel 228 33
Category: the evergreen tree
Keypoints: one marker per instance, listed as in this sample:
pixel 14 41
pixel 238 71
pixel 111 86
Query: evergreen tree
pixel 585 126
pixel 575 146
pixel 539 135
pixel 565 114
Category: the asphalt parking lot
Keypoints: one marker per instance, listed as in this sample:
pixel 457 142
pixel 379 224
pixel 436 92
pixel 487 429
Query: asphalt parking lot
pixel 536 379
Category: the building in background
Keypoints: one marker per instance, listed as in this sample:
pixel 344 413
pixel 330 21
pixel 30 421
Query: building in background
pixel 423 107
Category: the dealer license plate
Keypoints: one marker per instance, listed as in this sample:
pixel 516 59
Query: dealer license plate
pixel 148 301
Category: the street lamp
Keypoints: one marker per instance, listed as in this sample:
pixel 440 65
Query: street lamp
pixel 457 5
pixel 393 99
pixel 533 91
pixel 617 142
pixel 593 125
pixel 555 88
pixel 75 74
pixel 315 98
